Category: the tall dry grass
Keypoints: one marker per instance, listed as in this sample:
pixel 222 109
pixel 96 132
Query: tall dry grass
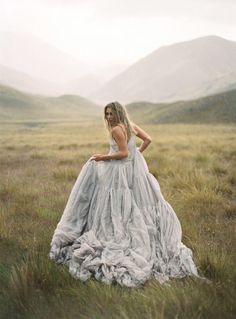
pixel 195 166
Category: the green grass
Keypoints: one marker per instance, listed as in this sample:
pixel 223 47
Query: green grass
pixel 195 166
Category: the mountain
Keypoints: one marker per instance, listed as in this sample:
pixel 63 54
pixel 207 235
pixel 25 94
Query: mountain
pixel 16 105
pixel 32 65
pixel 26 83
pixel 37 58
pixel 218 108
pixel 91 82
pixel 185 70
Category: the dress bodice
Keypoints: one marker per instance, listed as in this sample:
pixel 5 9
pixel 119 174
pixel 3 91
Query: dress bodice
pixel 131 147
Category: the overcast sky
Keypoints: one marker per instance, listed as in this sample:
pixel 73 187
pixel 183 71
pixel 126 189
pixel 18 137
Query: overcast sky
pixel 118 32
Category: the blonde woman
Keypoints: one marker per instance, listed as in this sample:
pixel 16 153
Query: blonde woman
pixel 117 226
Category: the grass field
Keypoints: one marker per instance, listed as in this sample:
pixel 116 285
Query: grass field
pixel 39 163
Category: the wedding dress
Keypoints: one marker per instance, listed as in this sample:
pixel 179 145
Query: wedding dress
pixel 117 226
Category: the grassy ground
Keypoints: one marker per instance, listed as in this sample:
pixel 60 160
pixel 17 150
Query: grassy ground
pixel 39 162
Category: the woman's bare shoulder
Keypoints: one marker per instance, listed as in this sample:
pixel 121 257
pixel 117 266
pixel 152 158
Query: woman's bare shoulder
pixel 118 130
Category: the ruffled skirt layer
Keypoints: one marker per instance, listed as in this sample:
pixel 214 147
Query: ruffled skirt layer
pixel 117 227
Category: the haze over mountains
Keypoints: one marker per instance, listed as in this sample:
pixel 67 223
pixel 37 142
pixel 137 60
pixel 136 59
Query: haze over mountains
pixel 30 64
pixel 32 55
pixel 181 71
pixel 184 70
pixel 24 82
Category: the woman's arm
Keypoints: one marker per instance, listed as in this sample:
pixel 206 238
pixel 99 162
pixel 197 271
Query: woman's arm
pixel 120 139
pixel 144 136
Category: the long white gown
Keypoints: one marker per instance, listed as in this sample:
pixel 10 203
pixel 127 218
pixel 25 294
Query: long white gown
pixel 117 226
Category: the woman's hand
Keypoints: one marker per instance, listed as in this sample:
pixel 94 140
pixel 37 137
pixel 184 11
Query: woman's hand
pixel 97 157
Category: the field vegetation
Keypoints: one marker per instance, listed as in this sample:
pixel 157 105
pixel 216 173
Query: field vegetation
pixel 39 163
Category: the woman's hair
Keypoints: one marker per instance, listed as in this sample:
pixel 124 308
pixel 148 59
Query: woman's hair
pixel 121 116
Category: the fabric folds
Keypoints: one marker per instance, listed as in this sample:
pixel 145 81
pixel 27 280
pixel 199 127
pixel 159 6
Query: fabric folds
pixel 117 226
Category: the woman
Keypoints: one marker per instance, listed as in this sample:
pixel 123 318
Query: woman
pixel 116 226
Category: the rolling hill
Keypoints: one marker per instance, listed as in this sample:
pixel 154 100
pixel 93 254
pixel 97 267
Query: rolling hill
pixel 218 108
pixel 16 105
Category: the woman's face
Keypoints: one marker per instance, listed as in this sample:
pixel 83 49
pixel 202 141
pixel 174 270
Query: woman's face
pixel 110 117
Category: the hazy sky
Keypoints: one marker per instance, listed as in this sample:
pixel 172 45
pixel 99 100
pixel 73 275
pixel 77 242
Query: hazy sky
pixel 122 31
